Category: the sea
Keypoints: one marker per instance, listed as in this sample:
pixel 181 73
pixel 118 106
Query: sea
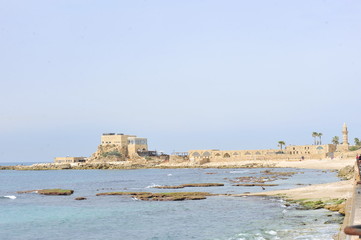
pixel 32 216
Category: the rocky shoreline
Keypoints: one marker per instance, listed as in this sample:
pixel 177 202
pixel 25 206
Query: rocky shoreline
pixel 127 165
pixel 330 196
pixel 335 164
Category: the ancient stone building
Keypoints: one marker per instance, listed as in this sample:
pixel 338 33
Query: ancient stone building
pixel 119 147
pixel 292 152
pixel 344 146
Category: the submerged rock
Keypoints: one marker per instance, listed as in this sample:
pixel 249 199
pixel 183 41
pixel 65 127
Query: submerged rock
pixel 55 191
pixel 172 196
pixel 80 198
pixel 168 187
pixel 203 185
pixel 254 184
pixel 334 221
pixel 191 185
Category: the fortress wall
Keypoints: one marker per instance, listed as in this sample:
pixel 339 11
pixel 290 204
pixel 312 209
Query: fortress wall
pixel 290 153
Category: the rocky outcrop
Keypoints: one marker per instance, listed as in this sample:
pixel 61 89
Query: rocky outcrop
pixel 192 185
pixel 336 208
pixel 55 191
pixel 254 185
pixel 346 173
pixel 80 198
pixel 172 196
pixel 335 205
pixel 109 153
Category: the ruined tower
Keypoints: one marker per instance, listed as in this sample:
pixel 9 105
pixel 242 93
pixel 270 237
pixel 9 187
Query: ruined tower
pixel 345 144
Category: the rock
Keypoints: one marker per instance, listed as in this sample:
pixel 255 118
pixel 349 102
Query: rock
pixel 254 184
pixel 312 204
pixel 336 208
pixel 203 185
pixel 65 166
pixel 172 196
pixel 56 191
pixel 346 173
pixel 192 185
pixel 168 187
pixel 28 191
pixel 334 221
pixel 80 198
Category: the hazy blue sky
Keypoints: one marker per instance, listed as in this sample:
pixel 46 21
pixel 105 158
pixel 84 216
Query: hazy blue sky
pixel 190 74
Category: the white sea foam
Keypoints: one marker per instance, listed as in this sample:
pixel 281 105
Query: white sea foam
pixel 271 232
pixel 153 185
pixel 259 238
pixel 170 175
pixel 11 197
pixel 242 171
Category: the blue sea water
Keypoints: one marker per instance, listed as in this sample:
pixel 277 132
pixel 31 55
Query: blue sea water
pixel 33 216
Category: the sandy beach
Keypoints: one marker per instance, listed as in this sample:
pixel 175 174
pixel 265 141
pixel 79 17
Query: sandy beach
pixel 336 190
pixel 324 192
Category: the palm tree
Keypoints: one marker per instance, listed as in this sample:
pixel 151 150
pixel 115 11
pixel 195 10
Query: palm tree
pixel 314 135
pixel 357 142
pixel 335 140
pixel 281 143
pixel 320 135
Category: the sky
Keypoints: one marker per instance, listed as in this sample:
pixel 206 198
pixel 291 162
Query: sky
pixel 192 74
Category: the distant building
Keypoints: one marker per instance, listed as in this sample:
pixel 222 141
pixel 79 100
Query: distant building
pixel 292 152
pixel 114 147
pixel 137 145
pixel 130 145
pixel 344 146
pixel 115 138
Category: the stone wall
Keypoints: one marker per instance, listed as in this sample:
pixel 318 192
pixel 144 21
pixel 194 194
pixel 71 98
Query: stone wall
pixel 289 153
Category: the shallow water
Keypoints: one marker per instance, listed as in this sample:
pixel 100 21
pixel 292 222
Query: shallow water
pixel 33 216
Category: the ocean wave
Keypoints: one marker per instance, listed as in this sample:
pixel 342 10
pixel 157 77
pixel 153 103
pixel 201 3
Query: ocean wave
pixel 264 235
pixel 271 232
pixel 153 185
pixel 239 171
pixel 9 197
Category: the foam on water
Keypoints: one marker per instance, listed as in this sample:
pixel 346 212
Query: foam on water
pixel 271 232
pixel 10 197
pixel 239 171
pixel 153 185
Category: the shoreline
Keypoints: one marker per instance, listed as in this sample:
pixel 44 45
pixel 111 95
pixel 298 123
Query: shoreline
pixel 325 164
pixel 314 192
pixel 335 190
pixel 327 193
